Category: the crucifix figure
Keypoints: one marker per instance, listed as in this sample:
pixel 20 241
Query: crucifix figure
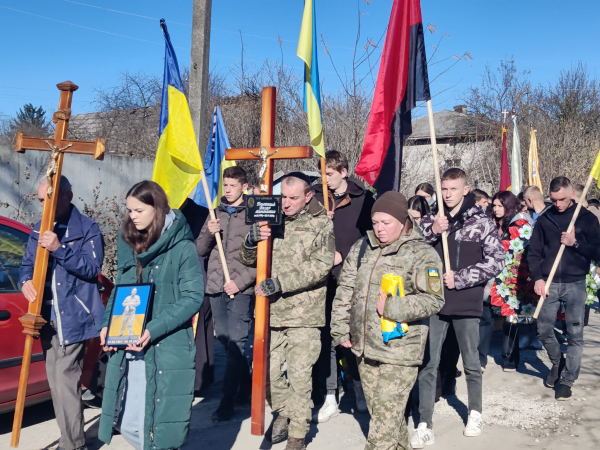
pixel 263 154
pixel 33 321
pixel 266 154
pixel 504 115
pixel 53 164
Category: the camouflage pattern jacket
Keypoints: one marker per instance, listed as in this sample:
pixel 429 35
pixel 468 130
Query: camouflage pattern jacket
pixel 303 254
pixel 476 256
pixel 355 315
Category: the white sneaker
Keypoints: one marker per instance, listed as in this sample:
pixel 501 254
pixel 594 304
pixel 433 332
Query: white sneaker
pixel 361 403
pixel 327 411
pixel 422 436
pixel 474 425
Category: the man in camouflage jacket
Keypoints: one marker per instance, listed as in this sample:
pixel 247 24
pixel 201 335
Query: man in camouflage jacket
pixel 388 371
pixel 476 255
pixel 303 254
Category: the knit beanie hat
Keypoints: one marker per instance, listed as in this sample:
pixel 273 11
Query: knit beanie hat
pixel 392 203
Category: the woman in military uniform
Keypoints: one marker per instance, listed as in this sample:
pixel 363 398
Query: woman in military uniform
pixel 388 370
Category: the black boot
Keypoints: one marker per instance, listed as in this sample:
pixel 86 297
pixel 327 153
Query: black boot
pixel 225 410
pixel 554 374
pixel 563 392
pixel 279 430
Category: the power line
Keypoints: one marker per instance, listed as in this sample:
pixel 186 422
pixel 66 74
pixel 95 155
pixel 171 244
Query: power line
pixel 124 12
pixel 86 28
pixel 189 25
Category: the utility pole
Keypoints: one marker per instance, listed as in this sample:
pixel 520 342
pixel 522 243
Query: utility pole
pixel 198 95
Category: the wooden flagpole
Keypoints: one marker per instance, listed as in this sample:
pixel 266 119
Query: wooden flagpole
pixel 211 210
pixel 324 181
pixel 438 183
pixel 561 250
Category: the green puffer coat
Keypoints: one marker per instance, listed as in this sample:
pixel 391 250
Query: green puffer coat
pixel 354 315
pixel 173 266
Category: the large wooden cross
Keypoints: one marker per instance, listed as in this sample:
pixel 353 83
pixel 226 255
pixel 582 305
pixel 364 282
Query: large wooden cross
pixel 266 154
pixel 33 321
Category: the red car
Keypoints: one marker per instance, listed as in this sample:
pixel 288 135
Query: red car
pixel 13 242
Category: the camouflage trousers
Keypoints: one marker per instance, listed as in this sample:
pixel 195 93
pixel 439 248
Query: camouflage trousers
pixel 387 388
pixel 297 349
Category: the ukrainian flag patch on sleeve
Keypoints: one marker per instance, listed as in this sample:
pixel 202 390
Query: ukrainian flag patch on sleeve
pixel 434 282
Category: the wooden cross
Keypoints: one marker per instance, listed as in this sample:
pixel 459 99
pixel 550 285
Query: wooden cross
pixel 33 321
pixel 266 154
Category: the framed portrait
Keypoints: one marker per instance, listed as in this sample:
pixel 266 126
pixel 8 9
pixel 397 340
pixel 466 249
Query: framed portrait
pixel 129 314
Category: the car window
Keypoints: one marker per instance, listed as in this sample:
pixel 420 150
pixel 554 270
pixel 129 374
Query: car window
pixel 12 248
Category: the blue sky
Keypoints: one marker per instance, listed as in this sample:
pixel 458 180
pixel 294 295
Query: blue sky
pixel 48 41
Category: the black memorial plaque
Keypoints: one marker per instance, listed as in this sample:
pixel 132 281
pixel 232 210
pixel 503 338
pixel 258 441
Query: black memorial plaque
pixel 261 208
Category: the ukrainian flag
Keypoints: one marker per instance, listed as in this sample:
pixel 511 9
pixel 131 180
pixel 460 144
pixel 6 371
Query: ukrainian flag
pixel 596 169
pixel 177 165
pixel 307 51
pixel 214 162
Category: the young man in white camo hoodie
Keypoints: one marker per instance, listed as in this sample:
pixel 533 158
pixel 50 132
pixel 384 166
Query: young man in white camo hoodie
pixel 476 255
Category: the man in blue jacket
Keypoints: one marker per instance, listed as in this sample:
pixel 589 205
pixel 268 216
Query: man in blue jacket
pixel 71 305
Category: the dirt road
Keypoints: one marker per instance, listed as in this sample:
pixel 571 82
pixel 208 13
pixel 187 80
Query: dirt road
pixel 518 411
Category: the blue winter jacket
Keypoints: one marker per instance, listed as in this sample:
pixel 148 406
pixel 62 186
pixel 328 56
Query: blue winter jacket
pixel 78 261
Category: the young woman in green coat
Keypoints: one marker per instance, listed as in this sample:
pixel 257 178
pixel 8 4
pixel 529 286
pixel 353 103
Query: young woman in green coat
pixel 149 387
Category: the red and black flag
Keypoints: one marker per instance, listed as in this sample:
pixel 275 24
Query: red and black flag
pixel 401 82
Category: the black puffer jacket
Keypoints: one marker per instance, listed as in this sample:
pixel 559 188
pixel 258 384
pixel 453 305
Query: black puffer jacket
pixel 233 233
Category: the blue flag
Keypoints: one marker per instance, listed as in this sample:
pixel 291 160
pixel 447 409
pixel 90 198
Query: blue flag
pixel 214 162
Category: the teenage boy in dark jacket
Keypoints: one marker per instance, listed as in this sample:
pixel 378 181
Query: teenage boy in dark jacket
pixel 71 305
pixel 476 255
pixel 232 316
pixel 582 245
pixel 350 209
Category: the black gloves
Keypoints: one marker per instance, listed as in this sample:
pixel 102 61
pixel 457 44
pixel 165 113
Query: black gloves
pixel 254 235
pixel 270 286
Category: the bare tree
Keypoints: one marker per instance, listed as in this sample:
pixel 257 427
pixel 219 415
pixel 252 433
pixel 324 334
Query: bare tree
pixel 565 113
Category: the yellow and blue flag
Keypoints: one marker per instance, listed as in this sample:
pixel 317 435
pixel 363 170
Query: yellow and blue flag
pixel 177 165
pixel 390 329
pixel 307 52
pixel 214 162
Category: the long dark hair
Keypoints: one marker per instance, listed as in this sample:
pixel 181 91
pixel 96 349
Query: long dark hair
pixel 419 203
pixel 425 187
pixel 149 193
pixel 511 207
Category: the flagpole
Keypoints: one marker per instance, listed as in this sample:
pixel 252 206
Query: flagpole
pixel 562 246
pixel 324 181
pixel 211 211
pixel 438 183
